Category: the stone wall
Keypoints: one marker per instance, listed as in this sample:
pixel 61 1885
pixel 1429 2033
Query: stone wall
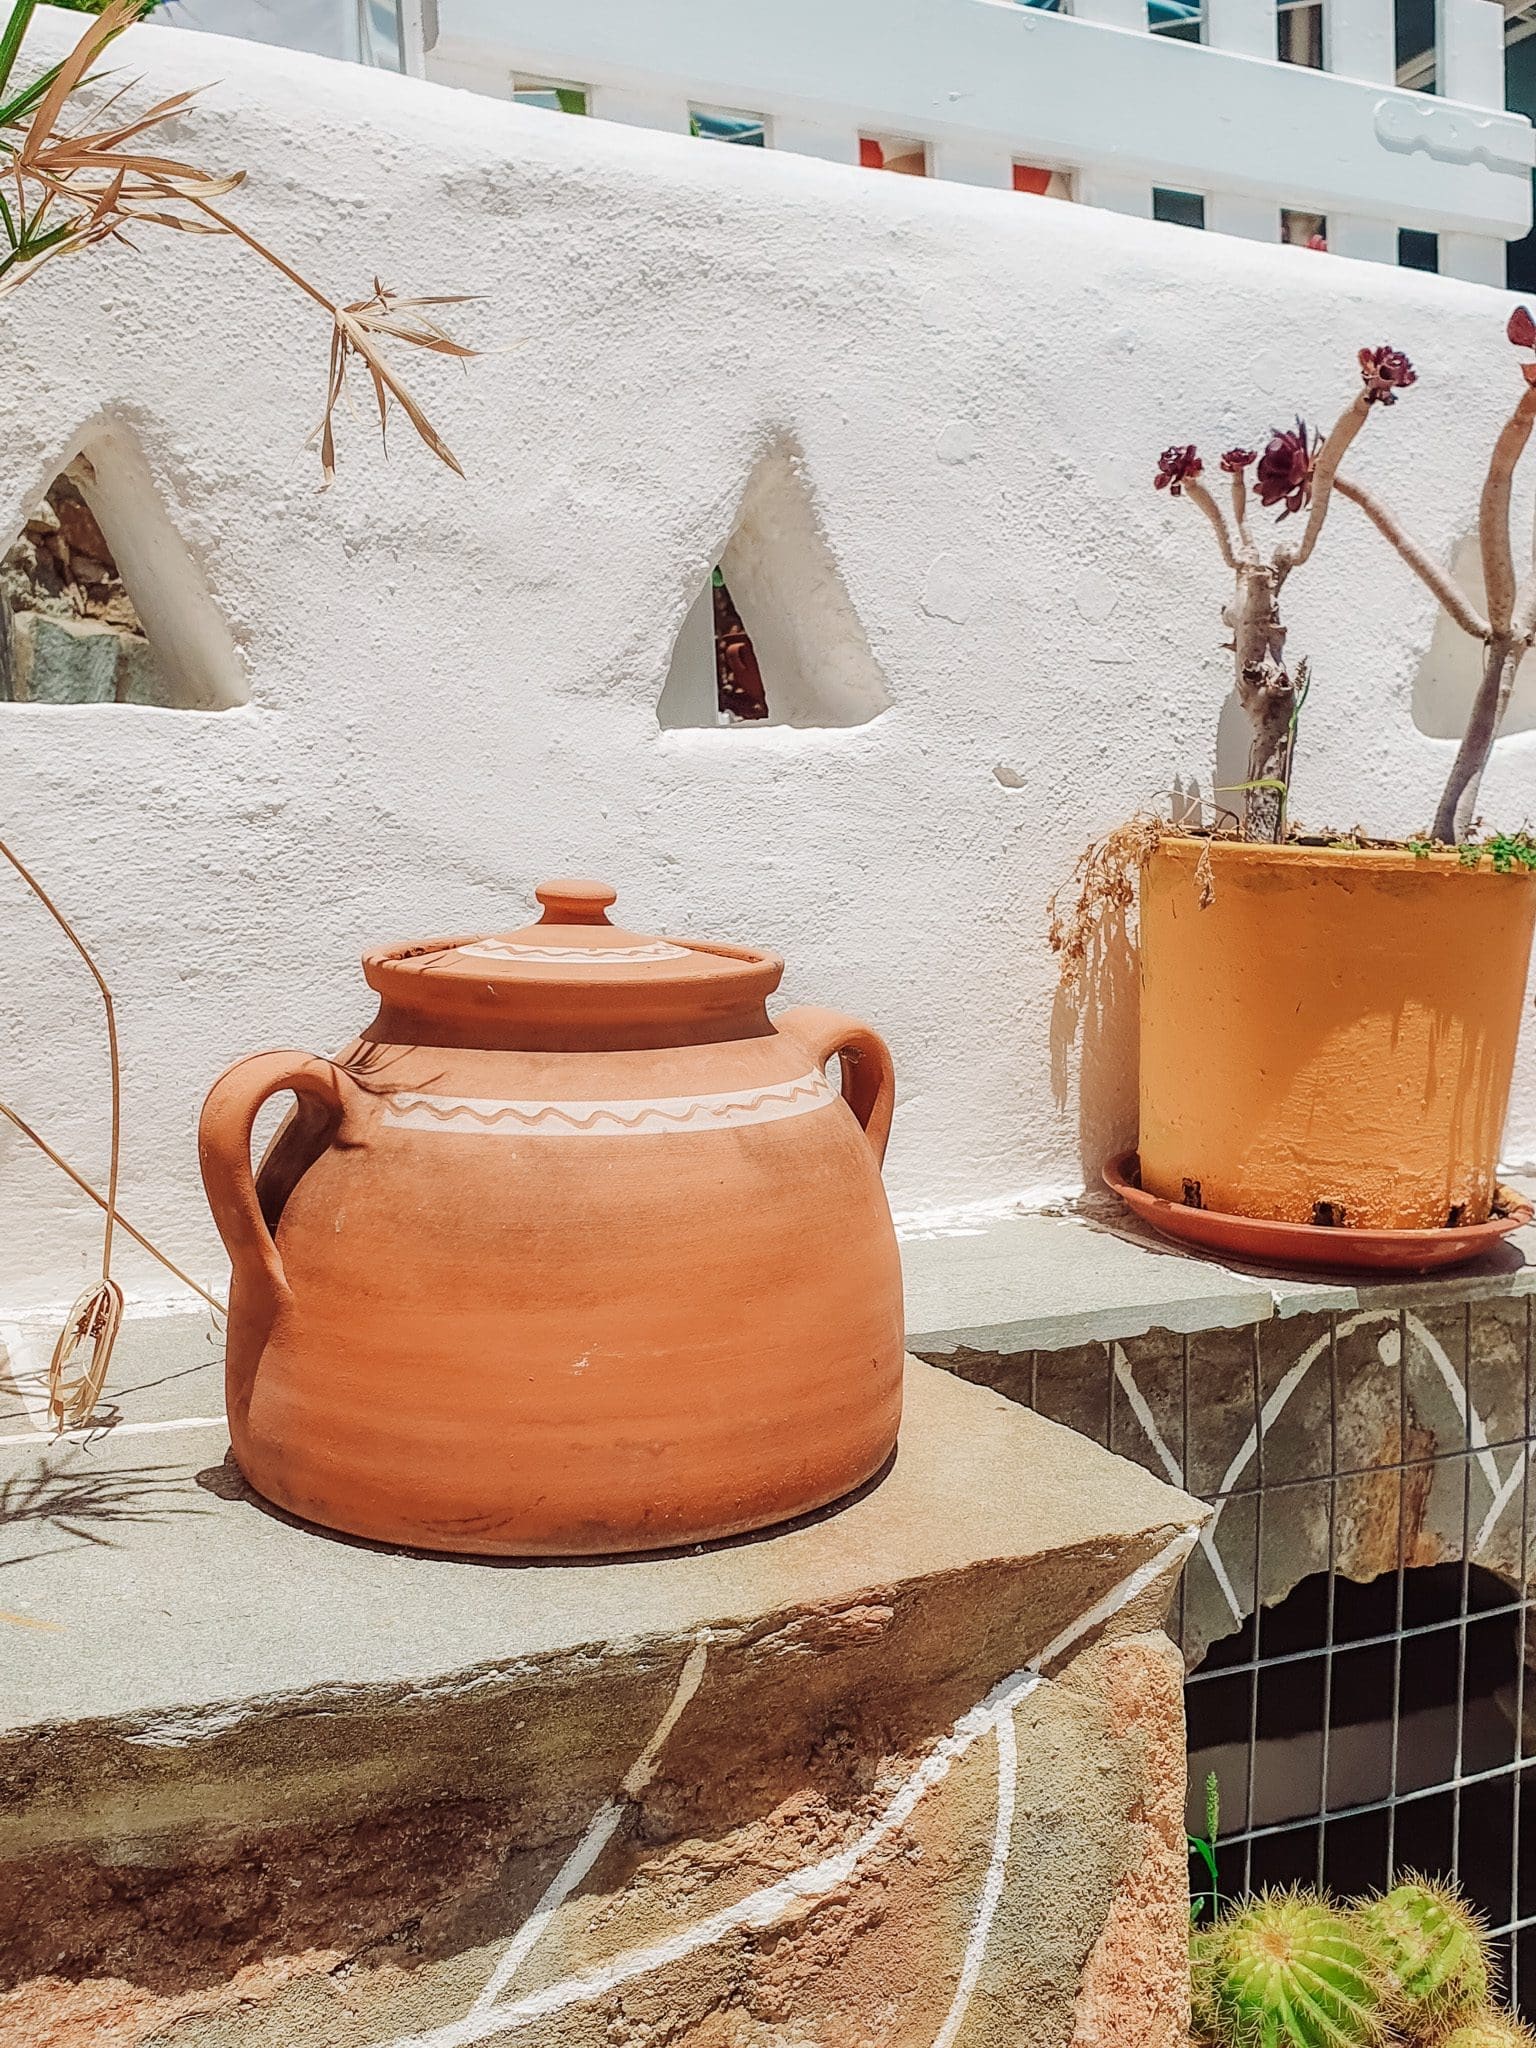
pixel 69 633
pixel 1373 1436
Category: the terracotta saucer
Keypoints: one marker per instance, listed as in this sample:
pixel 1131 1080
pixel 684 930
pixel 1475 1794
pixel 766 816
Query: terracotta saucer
pixel 1331 1249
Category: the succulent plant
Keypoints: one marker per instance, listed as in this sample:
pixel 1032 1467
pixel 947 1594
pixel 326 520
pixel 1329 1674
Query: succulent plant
pixel 1289 1971
pixel 1488 2029
pixel 1434 1950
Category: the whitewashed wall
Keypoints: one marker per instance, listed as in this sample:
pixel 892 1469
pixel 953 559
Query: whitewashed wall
pixel 454 684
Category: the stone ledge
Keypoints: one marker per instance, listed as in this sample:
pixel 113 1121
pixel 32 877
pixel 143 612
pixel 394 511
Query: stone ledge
pixel 182 1605
pixel 274 1789
pixel 1093 1276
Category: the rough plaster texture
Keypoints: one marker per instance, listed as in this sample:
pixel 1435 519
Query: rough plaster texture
pixel 269 1789
pixel 454 685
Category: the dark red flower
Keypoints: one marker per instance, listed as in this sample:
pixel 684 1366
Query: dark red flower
pixel 1177 467
pixel 1522 328
pixel 1236 460
pixel 1284 473
pixel 1384 372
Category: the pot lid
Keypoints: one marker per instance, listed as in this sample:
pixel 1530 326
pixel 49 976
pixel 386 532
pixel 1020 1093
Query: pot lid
pixel 574 937
pixel 573 969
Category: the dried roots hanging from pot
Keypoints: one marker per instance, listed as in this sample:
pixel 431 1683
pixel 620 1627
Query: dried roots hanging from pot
pixel 1100 900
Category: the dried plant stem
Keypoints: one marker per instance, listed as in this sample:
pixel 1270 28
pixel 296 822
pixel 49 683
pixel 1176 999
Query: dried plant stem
pixel 85 1187
pixel 1101 898
pixel 97 1315
pixel 230 226
pixel 114 1061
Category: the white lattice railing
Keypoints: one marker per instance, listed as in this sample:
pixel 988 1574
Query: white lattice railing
pixel 984 85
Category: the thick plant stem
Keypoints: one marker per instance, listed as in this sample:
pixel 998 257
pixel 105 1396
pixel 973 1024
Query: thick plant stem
pixel 1269 759
pixel 1493 512
pixel 1267 695
pixel 1324 469
pixel 1458 803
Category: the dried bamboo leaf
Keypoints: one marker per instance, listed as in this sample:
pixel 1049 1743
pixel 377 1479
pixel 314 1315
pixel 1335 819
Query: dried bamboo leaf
pixel 106 26
pixel 115 137
pixel 180 221
pixel 380 371
pixel 438 343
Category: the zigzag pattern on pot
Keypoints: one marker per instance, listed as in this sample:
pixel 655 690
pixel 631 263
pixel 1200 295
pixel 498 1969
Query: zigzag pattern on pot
pixel 483 1116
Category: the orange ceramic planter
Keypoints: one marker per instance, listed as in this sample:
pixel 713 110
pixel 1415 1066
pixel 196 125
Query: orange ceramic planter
pixel 574 1251
pixel 1331 1039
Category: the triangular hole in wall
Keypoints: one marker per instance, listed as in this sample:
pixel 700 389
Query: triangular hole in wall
pixel 772 638
pixel 100 599
pixel 1448 677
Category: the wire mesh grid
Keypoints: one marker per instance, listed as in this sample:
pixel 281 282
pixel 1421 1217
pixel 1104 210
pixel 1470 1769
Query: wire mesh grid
pixel 1355 1624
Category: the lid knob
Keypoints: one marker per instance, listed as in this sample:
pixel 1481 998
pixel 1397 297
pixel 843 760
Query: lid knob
pixel 570 902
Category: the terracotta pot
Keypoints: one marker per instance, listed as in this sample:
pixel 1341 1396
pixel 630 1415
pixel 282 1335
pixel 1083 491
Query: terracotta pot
pixel 1331 1039
pixel 573 1251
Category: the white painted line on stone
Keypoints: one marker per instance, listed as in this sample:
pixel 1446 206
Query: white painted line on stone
pixel 1471 1421
pixel 1175 1471
pixel 1503 1497
pixel 1502 1488
pixel 1275 1406
pixel 776 1902
pixel 992 1889
pixel 598 1835
pixel 45 1439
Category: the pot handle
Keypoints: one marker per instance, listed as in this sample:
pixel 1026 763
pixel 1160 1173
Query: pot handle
pixel 869 1079
pixel 224 1152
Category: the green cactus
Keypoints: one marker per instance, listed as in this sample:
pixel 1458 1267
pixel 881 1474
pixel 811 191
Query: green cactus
pixel 1288 1971
pixel 1488 2029
pixel 1435 1951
